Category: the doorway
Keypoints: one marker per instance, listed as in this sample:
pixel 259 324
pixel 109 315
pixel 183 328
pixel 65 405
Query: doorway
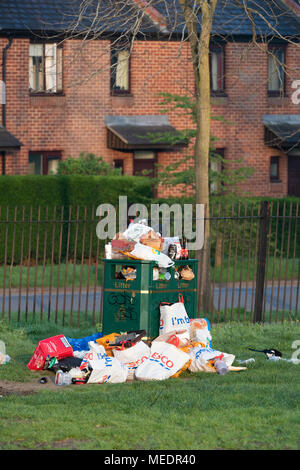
pixel 294 173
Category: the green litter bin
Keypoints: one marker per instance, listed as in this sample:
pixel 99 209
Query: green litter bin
pixel 130 305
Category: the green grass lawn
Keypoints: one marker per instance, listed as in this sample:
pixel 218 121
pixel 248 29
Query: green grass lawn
pixel 254 409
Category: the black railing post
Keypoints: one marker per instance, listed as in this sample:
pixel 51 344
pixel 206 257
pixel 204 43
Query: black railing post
pixel 261 262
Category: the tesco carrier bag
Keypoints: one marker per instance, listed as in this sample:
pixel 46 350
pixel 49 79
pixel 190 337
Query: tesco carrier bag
pixel 203 359
pixel 105 369
pixel 174 317
pixel 165 360
pixel 132 357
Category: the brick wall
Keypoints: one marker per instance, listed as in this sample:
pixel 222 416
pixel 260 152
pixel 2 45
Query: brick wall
pixel 74 122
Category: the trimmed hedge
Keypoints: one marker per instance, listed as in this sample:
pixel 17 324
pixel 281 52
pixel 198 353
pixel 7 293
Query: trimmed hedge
pixel 44 199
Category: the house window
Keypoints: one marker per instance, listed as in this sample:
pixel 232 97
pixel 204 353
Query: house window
pixel 120 165
pixel 274 169
pixel 276 75
pixel 43 163
pixel 217 82
pixel 144 162
pixel 45 68
pixel 120 62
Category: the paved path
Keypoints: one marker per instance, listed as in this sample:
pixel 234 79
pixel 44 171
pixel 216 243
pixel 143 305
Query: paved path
pixel 280 298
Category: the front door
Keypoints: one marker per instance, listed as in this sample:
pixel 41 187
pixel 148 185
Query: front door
pixel 294 176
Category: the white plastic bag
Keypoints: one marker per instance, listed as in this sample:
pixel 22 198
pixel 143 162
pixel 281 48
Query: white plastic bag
pixel 200 331
pixel 135 231
pixel 174 317
pixel 201 358
pixel 105 369
pixel 147 253
pixel 164 361
pixel 132 357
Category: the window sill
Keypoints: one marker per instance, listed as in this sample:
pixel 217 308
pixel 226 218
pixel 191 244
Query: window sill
pixel 45 93
pixel 217 94
pixel 121 95
pixel 275 181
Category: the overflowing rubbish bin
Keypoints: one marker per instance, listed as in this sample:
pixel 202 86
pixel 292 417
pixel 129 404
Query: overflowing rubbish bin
pixel 134 289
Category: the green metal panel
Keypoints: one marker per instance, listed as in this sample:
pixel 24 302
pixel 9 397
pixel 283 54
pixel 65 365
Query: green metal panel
pixel 134 305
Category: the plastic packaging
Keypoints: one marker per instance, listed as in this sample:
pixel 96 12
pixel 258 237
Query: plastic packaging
pixel 4 358
pixel 108 251
pixel 247 361
pixel 62 378
pixel 221 367
pixel 274 358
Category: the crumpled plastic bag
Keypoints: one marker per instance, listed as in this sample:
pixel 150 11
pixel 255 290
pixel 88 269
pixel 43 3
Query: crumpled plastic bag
pixel 132 357
pixel 165 361
pixel 82 344
pixel 134 231
pixel 105 369
pixel 203 359
pixel 147 253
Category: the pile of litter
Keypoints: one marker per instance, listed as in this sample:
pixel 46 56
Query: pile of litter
pixel 117 358
pixel 139 241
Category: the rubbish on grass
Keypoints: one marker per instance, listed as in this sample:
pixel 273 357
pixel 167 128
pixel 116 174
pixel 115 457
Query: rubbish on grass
pixel 65 364
pixel 203 359
pixel 62 378
pixel 107 369
pixel 82 344
pixel 43 380
pixel 127 340
pixel 246 361
pixel 56 346
pixel 174 316
pixel 173 337
pixel 4 358
pixel 164 361
pixel 274 358
pixel 200 331
pixel 132 357
pixel 106 340
pixel 268 352
pixel 221 367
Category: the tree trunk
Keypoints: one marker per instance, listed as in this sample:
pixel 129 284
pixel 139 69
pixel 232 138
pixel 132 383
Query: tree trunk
pixel 200 54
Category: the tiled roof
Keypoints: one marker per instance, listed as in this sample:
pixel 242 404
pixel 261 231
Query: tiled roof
pixel 61 15
pixel 272 17
pixel 7 140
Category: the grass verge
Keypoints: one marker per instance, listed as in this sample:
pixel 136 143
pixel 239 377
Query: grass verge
pixel 254 409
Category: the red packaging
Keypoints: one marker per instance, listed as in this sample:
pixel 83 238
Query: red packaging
pixel 57 346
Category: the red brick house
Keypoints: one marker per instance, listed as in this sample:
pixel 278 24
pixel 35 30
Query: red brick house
pixel 64 97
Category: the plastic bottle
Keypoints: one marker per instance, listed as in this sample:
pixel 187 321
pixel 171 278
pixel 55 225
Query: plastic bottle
pixel 247 361
pixel 108 251
pixel 62 378
pixel 221 367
